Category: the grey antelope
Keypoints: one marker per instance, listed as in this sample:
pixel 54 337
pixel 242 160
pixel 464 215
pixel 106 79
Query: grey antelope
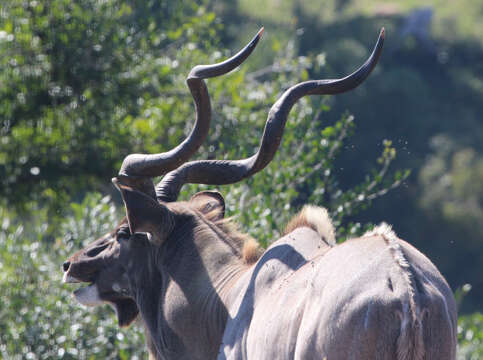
pixel 203 290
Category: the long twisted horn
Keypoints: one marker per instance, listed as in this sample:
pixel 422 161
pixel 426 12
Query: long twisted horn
pixel 138 169
pixel 220 172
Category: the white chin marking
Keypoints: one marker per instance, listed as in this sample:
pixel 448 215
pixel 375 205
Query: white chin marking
pixel 67 279
pixel 88 296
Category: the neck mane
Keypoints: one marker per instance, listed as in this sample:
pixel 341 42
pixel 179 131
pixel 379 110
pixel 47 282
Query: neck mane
pixel 186 311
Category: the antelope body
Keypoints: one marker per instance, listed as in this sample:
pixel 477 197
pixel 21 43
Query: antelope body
pixel 203 292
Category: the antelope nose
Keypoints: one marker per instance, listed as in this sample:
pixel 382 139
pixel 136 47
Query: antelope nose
pixel 66 266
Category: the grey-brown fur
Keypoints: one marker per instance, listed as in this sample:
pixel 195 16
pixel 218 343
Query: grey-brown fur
pixel 302 299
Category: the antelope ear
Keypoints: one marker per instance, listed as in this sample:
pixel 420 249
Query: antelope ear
pixel 144 214
pixel 209 203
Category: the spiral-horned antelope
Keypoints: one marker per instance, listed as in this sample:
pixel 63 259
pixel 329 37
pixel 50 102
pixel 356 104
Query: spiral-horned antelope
pixel 204 291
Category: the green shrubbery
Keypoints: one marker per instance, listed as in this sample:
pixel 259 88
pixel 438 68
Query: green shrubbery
pixel 85 83
pixel 470 336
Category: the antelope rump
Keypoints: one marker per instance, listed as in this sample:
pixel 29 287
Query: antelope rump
pixel 203 290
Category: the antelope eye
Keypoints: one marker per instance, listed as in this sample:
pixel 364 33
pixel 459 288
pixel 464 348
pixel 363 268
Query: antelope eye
pixel 122 234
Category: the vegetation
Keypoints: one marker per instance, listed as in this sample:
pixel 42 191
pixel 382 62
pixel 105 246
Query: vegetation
pixel 84 83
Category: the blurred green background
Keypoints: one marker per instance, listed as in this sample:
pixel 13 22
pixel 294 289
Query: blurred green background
pixel 84 83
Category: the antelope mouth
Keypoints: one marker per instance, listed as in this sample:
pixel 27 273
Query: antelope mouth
pixel 88 295
pixel 85 295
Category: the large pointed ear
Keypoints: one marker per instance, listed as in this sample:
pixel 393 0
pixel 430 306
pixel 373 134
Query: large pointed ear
pixel 209 203
pixel 144 214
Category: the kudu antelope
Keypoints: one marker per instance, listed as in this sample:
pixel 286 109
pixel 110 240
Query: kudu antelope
pixel 202 292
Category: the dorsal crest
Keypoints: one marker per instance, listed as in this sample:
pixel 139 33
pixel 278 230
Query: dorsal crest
pixel 316 218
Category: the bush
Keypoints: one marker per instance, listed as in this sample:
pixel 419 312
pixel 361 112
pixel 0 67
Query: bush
pixel 470 337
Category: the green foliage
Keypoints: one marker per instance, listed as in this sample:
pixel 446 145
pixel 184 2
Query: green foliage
pixel 78 80
pixel 451 183
pixel 452 20
pixel 452 195
pixel 470 337
pixel 470 330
